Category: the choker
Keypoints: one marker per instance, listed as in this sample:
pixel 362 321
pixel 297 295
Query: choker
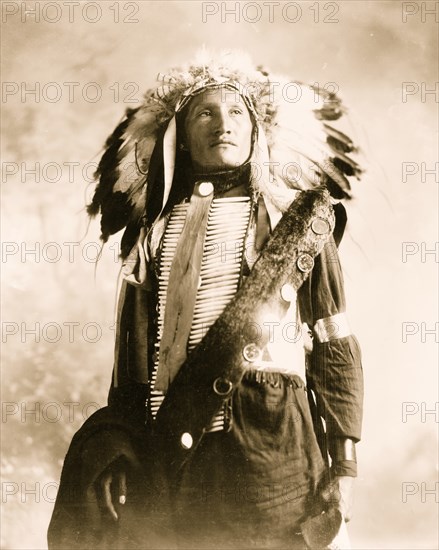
pixel 225 180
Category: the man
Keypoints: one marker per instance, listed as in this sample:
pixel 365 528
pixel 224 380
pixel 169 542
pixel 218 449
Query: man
pixel 213 436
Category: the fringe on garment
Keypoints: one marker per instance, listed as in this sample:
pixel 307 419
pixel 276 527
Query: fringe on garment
pixel 274 379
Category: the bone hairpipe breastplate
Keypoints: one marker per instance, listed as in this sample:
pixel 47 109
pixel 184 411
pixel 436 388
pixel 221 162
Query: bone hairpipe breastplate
pixel 219 277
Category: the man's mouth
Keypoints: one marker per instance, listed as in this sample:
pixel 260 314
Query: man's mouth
pixel 223 142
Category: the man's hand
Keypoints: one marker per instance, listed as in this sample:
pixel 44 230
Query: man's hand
pixel 112 489
pixel 340 493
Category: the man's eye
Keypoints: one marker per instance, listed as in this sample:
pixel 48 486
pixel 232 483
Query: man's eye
pixel 237 111
pixel 204 113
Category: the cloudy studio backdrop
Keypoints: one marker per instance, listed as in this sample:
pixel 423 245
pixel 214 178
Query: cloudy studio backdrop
pixel 70 69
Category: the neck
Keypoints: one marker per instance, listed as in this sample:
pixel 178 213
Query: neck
pixel 225 180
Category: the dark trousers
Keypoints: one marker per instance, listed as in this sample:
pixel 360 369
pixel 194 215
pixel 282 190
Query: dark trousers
pixel 253 486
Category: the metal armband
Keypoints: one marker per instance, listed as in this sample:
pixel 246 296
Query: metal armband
pixel 343 449
pixel 331 328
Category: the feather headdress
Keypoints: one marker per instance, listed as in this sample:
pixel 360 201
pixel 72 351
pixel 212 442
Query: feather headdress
pixel 300 149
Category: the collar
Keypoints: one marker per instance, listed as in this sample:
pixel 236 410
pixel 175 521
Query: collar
pixel 226 180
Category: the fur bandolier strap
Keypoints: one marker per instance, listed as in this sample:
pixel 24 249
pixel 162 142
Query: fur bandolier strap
pixel 216 366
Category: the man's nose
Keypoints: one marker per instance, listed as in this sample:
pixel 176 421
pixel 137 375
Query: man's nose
pixel 222 123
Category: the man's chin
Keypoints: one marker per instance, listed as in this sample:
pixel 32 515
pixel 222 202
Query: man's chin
pixel 221 165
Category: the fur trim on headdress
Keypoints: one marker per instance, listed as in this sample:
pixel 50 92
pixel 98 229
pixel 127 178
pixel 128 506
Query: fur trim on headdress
pixel 304 151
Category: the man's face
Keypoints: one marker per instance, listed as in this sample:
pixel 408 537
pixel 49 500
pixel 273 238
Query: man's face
pixel 218 130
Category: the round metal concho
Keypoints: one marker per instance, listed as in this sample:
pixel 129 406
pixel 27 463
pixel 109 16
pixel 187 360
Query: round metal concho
pixel 320 226
pixel 252 353
pixel 305 262
pixel 205 188
pixel 287 292
pixel 186 440
pixel 222 386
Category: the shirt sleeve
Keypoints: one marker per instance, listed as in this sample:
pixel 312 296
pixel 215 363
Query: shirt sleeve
pixel 334 366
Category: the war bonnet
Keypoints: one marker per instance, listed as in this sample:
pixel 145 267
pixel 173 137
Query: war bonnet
pixel 295 148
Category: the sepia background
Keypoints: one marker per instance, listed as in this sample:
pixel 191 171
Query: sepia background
pixel 86 64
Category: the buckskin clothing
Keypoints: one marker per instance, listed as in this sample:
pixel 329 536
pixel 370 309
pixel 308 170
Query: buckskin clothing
pixel 266 470
pixel 237 384
pixel 249 485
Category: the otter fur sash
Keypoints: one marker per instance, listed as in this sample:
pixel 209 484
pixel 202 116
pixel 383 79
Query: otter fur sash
pixel 216 366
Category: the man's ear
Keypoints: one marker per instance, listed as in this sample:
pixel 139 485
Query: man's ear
pixel 181 131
